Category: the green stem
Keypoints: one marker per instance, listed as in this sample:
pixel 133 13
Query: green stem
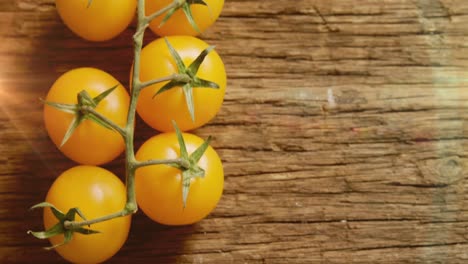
pixel 145 20
pixel 172 5
pixel 74 224
pixel 131 163
pixel 136 88
pixel 89 109
pixel 179 161
pixel 171 77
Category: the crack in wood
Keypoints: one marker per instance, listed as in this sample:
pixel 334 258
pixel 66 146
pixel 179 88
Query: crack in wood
pixel 409 246
pixel 324 21
pixel 421 185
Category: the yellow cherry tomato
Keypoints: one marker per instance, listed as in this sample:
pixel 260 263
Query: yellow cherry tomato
pixel 204 17
pixel 96 192
pixel 156 62
pixel 159 187
pixel 90 143
pixel 101 20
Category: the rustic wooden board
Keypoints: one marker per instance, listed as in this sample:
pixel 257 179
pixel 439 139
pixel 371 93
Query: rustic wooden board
pixel 343 133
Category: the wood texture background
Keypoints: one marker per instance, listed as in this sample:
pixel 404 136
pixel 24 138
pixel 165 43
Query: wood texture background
pixel 343 133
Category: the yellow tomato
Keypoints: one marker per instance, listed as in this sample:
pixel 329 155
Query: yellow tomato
pixel 96 192
pixel 101 20
pixel 204 17
pixel 159 187
pixel 156 62
pixel 90 143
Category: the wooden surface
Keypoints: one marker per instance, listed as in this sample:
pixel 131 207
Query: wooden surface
pixel 343 133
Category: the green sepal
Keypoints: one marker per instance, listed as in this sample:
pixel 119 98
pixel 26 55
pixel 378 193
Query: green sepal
pixel 89 3
pixel 68 234
pixel 58 214
pixel 84 100
pixel 193 171
pixel 188 94
pixel 197 171
pixel 93 102
pixel 178 60
pixel 86 231
pixel 59 227
pixel 183 149
pixel 67 108
pixel 185 6
pixel 186 178
pixel 77 120
pixel 200 2
pixel 104 94
pixel 53 231
pixel 169 86
pixel 201 83
pixel 189 16
pixel 187 78
pixel 187 175
pixel 198 153
pixel 70 216
pixel 167 16
pixel 195 65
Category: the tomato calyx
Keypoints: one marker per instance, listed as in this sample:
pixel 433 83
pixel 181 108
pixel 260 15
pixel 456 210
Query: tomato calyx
pixel 185 6
pixel 84 110
pixel 190 170
pixel 187 77
pixel 60 227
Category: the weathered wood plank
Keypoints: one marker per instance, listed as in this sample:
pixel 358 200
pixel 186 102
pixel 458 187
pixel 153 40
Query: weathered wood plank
pixel 343 133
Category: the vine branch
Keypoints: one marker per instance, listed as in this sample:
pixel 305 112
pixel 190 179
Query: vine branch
pixel 181 162
pixel 128 132
pixel 90 110
pixel 182 77
pixel 75 225
pixel 172 5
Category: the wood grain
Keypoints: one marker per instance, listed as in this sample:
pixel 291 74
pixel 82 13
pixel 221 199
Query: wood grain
pixel 343 133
